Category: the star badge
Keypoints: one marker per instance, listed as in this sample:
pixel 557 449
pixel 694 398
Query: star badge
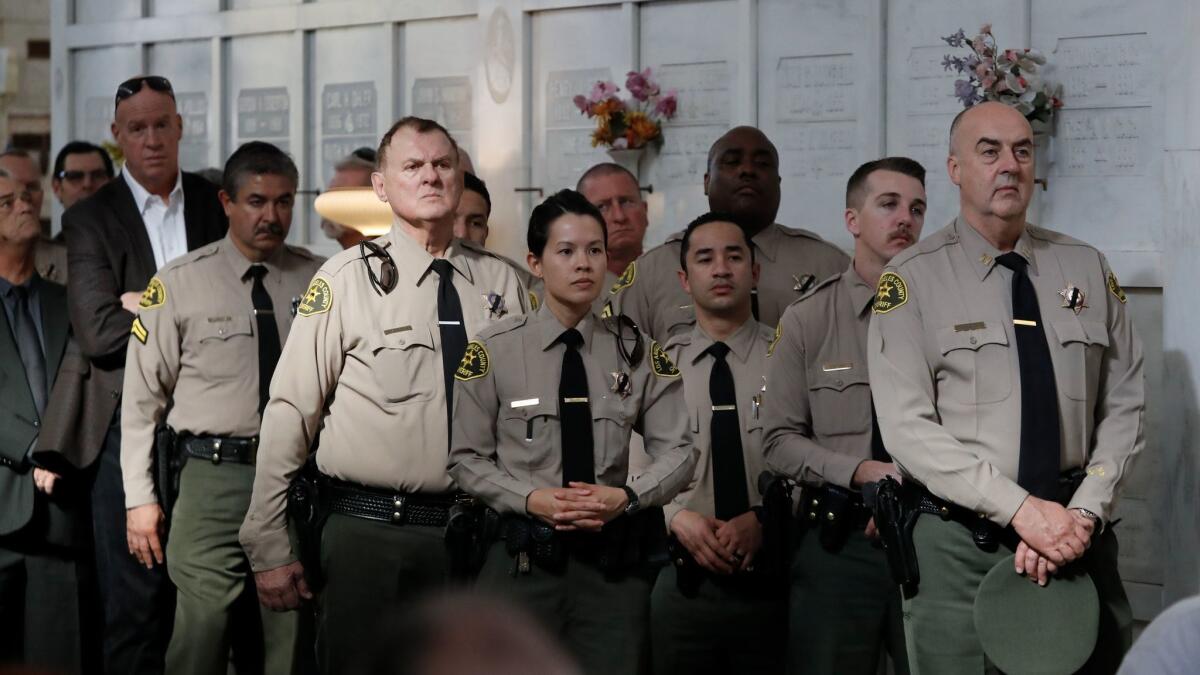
pixel 1073 298
pixel 621 384
pixel 494 304
pixel 803 282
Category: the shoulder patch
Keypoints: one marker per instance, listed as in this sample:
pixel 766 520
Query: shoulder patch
pixel 625 280
pixel 155 295
pixel 1115 287
pixel 475 362
pixel 317 299
pixel 892 293
pixel 662 364
pixel 139 330
pixel 775 340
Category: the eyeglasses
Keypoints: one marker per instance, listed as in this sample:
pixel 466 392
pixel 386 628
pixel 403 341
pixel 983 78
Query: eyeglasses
pixel 385 282
pixel 96 175
pixel 9 200
pixel 134 84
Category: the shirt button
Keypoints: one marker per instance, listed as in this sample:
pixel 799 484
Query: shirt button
pixel 839 383
pixel 974 341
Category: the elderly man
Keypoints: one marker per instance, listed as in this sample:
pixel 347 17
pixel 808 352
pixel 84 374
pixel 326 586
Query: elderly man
pixel 116 240
pixel 743 181
pixel 614 190
pixel 367 374
pixel 1008 383
pixel 50 257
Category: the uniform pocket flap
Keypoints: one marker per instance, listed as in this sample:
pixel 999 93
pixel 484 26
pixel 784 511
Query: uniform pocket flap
pixel 225 327
pixel 971 335
pixel 837 376
pixel 1087 332
pixel 528 408
pixel 407 337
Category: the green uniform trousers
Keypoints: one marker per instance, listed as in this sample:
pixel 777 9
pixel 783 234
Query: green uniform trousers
pixel 602 622
pixel 939 620
pixel 844 610
pixel 372 570
pixel 216 587
pixel 723 628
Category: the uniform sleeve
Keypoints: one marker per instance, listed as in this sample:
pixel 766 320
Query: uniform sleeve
pixel 151 371
pixel 903 387
pixel 663 424
pixel 472 462
pixel 634 301
pixel 307 372
pixel 787 417
pixel 1119 411
pixel 94 292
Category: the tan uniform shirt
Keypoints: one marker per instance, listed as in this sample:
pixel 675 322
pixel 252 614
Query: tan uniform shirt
pixel 507 437
pixel 193 358
pixel 946 379
pixel 363 371
pixel 748 362
pixel 817 425
pixel 793 262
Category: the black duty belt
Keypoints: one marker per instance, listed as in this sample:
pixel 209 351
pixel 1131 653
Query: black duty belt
pixel 389 506
pixel 219 449
pixel 830 503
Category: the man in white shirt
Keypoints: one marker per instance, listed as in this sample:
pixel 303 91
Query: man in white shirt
pixel 116 240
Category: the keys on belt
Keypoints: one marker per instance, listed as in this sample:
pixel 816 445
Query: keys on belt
pixel 219 449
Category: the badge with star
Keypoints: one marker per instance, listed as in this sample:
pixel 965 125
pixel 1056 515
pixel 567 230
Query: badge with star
pixel 1115 288
pixel 317 299
pixel 625 280
pixel 155 295
pixel 803 282
pixel 475 362
pixel 1073 298
pixel 494 303
pixel 892 293
pixel 660 363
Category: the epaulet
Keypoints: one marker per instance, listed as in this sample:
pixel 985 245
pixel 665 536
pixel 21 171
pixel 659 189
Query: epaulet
pixel 931 244
pixel 800 232
pixel 339 260
pixel 678 341
pixel 189 258
pixel 766 333
pixel 301 252
pixel 505 325
pixel 472 246
pixel 672 238
pixel 1055 237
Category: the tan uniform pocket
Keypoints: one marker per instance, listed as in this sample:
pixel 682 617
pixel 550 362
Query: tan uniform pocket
pixel 839 399
pixel 227 347
pixel 978 361
pixel 407 368
pixel 1083 344
pixel 536 426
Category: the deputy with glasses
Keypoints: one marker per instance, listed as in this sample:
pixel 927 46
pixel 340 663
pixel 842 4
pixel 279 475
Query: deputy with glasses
pixel 116 240
pixel 80 169
pixel 365 375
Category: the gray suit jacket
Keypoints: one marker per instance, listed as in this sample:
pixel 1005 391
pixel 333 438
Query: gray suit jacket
pixel 19 421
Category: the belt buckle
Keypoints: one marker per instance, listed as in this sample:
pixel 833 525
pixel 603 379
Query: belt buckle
pixel 399 506
pixel 216 455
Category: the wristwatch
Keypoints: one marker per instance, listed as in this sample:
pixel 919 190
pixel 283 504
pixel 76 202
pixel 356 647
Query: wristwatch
pixel 633 505
pixel 1095 518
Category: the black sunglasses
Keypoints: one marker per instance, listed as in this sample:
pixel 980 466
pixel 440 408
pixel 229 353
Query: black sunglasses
pixel 134 84
pixel 388 276
pixel 96 175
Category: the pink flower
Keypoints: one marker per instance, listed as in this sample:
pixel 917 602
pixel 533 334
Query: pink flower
pixel 640 85
pixel 603 90
pixel 581 102
pixel 667 105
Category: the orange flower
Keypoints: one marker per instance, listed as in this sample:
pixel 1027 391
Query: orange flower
pixel 602 135
pixel 641 129
pixel 607 107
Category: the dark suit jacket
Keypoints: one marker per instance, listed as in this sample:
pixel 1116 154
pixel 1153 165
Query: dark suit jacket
pixel 109 253
pixel 19 422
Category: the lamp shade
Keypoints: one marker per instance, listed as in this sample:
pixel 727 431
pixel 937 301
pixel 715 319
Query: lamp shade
pixel 355 207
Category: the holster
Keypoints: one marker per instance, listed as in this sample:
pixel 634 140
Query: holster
pixel 307 513
pixel 168 464
pixel 895 518
pixel 833 512
pixel 689 575
pixel 778 526
pixel 470 530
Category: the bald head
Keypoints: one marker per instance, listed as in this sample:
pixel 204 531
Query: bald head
pixel 743 178
pixel 986 112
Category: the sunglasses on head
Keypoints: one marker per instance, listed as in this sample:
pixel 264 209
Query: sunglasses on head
pixel 134 84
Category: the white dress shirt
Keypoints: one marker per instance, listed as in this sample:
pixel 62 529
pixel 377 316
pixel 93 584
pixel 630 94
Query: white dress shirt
pixel 163 220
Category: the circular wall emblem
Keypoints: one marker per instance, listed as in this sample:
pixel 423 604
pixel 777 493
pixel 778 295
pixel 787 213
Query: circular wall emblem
pixel 501 55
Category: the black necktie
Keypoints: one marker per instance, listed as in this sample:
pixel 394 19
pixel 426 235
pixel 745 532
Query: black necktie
pixel 29 346
pixel 754 302
pixel 1039 467
pixel 454 333
pixel 575 413
pixel 268 334
pixel 730 496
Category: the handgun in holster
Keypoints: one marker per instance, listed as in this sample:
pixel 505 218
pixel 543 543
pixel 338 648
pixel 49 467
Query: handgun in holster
pixel 307 514
pixel 168 465
pixel 778 526
pixel 894 519
pixel 470 530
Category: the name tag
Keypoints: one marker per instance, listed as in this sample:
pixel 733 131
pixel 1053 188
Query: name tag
pixel 964 327
pixel 401 329
pixel 834 367
pixel 524 403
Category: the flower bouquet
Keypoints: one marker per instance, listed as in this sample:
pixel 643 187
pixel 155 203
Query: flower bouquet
pixel 1009 76
pixel 631 123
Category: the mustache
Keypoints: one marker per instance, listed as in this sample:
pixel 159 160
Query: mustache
pixel 273 229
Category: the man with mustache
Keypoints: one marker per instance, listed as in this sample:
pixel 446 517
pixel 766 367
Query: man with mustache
pixel 206 340
pixel 743 180
pixel 715 610
pixel 116 240
pixel 819 430
pixel 1008 383
pixel 367 375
